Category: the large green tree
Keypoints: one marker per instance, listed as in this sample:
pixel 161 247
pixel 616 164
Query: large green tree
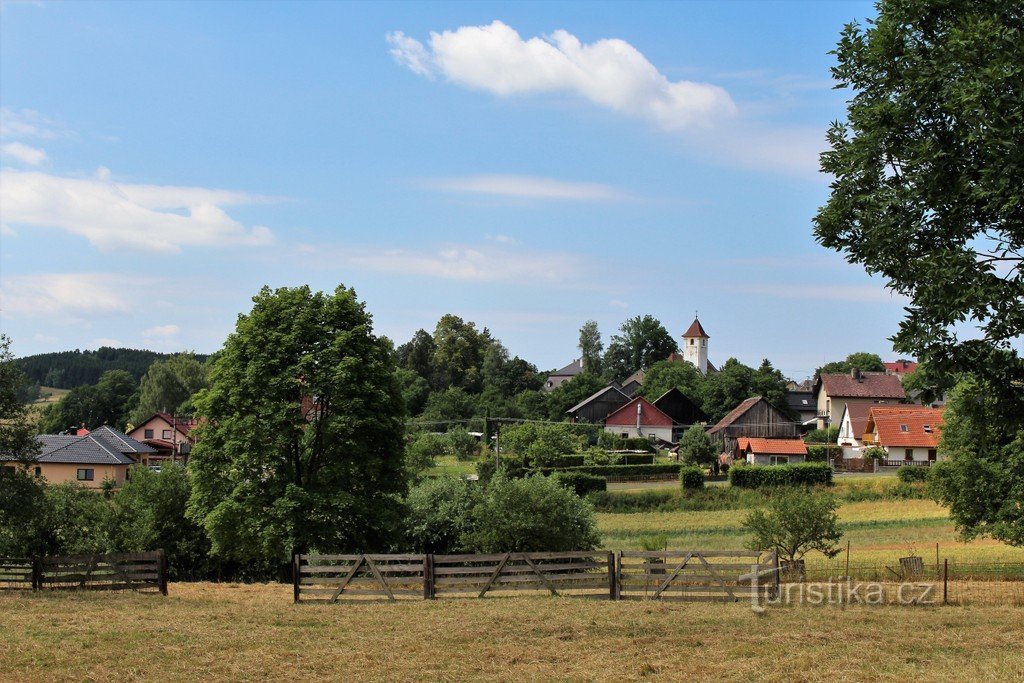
pixel 17 434
pixel 591 347
pixel 108 402
pixel 928 192
pixel 300 444
pixel 459 350
pixel 667 374
pixel 169 385
pixel 861 360
pixel 641 342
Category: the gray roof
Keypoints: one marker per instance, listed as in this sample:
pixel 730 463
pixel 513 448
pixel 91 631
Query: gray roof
pixel 801 401
pixel 571 370
pixel 595 395
pixel 103 446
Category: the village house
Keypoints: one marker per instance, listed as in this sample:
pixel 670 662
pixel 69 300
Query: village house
pixel 560 377
pixel 800 400
pixel 599 405
pixel 681 409
pixel 104 454
pixel 640 418
pixel 632 384
pixel 833 392
pixel 757 451
pixel 851 429
pixel 754 417
pixel 909 434
pixel 167 435
pixel 900 368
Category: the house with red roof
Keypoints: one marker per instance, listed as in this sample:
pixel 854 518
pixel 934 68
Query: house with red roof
pixel 833 392
pixel 900 368
pixel 640 418
pixel 170 436
pixel 754 417
pixel 851 428
pixel 759 451
pixel 909 434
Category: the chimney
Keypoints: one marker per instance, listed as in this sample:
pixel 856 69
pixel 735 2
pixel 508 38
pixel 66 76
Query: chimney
pixel 855 374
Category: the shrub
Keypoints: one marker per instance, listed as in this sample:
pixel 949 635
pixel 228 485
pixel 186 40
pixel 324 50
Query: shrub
pixel 540 444
pixel 696 446
pixel 422 451
pixel 613 442
pixel 440 514
pixel 581 483
pixel 461 444
pixel 829 436
pixel 621 470
pixel 823 453
pixel 691 478
pixel 908 474
pixel 530 515
pixel 875 453
pixel 794 523
pixel 511 468
pixel 596 456
pixel 800 474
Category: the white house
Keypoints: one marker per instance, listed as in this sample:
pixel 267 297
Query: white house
pixel 909 434
pixel 851 429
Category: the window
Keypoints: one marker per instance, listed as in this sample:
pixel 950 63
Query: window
pixel 652 437
pixel 933 455
pixel 39 471
pixel 691 342
pixel 166 434
pixel 625 435
pixel 904 428
pixel 927 429
pixel 148 434
pixel 86 474
pixel 908 453
pixel 779 460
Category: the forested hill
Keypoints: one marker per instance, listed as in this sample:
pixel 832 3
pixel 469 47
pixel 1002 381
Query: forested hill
pixel 70 369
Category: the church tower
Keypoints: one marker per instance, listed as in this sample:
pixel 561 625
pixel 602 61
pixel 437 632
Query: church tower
pixel 695 346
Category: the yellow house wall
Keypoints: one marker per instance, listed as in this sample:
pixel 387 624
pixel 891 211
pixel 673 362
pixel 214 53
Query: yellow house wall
pixel 58 473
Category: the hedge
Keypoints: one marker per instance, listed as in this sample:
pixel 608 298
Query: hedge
pixel 579 460
pixel 801 474
pixel 823 453
pixel 620 470
pixel 581 483
pixel 691 478
pixel 910 473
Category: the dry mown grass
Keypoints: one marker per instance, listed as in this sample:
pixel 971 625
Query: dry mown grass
pixel 207 631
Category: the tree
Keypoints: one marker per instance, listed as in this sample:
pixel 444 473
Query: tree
pixel 865 362
pixel 300 442
pixel 540 444
pixel 770 384
pixel 927 185
pixel 415 390
pixel 696 447
pixel 22 513
pixel 108 402
pixel 727 388
pixel 417 354
pixel 453 403
pixel 641 342
pixel 458 354
pixel 17 434
pixel 168 386
pixel 794 523
pixel 533 514
pixel 568 394
pixel 667 374
pixel 591 347
pixel 440 515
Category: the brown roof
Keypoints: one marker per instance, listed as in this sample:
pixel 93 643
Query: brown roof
pixel 868 385
pixel 858 417
pixel 735 414
pixel 772 446
pixel 905 426
pixel 695 330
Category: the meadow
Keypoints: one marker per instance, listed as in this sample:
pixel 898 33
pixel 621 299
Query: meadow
pixel 254 632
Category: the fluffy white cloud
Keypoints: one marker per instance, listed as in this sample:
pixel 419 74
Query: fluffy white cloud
pixel 75 295
pixel 120 215
pixel 26 154
pixel 525 187
pixel 610 73
pixel 161 332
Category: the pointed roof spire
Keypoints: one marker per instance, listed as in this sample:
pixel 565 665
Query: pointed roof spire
pixel 695 330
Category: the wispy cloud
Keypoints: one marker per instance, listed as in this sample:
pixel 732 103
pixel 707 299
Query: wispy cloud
pixel 27 123
pixel 71 295
pixel 26 154
pixel 161 331
pixel 610 73
pixel 525 187
pixel 112 215
pixel 615 303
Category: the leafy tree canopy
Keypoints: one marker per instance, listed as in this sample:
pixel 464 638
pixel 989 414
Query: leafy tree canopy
pixel 794 523
pixel 696 446
pixel 641 342
pixel 591 347
pixel 865 362
pixel 108 402
pixel 168 386
pixel 17 435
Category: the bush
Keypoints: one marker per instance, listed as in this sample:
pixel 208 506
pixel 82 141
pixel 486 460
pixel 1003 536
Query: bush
pixel 620 470
pixel 800 474
pixel 823 453
pixel 461 444
pixel 696 447
pixel 908 474
pixel 440 514
pixel 422 452
pixel 613 442
pixel 691 478
pixel 581 483
pixel 875 453
pixel 534 514
pixel 540 444
pixel 829 436
pixel 511 468
pixel 794 523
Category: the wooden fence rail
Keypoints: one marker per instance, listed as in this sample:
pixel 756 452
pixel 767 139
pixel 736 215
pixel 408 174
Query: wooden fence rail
pixel 124 571
pixel 687 575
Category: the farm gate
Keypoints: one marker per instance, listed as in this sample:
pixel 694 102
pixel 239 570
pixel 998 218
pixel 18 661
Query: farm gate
pixel 122 571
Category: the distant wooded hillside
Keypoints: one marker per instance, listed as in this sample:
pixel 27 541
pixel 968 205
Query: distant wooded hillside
pixel 70 369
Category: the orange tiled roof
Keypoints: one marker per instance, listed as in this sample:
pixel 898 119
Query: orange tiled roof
pixel 772 446
pixel 906 426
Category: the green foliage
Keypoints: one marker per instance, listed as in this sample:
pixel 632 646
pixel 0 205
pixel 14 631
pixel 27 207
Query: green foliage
pixel 795 523
pixel 108 402
pixel 453 403
pixel 77 522
pixel 666 374
pixel 762 476
pixel 653 543
pixel 148 513
pixel 875 453
pixel 422 452
pixel 22 513
pixel 415 390
pixel 440 514
pixel 570 393
pixel 865 362
pixel 591 347
pixel 417 355
pixel 458 358
pixel 533 514
pixel 583 484
pixel 511 468
pixel 70 369
pixel 823 453
pixel 696 447
pixel 622 470
pixel 461 444
pixel 927 177
pixel 540 444
pixel 691 478
pixel 909 474
pixel 168 386
pixel 17 435
pixel 301 445
pixel 829 435
pixel 641 342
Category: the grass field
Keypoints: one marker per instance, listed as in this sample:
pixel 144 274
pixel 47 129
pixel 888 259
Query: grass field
pixel 232 632
pixel 47 395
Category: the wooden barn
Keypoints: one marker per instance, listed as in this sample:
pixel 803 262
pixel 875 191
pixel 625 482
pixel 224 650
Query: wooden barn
pixel 681 409
pixel 755 417
pixel 599 405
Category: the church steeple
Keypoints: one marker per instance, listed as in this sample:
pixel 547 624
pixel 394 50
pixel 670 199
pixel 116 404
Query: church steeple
pixel 695 346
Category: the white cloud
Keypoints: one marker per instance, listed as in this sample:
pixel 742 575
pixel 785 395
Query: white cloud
pixel 610 73
pixel 26 154
pixel 7 231
pixel 618 304
pixel 525 187
pixel 111 215
pixel 106 341
pixel 161 331
pixel 75 295
pixel 26 123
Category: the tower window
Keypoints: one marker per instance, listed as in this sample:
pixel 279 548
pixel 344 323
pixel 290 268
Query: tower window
pixel 691 342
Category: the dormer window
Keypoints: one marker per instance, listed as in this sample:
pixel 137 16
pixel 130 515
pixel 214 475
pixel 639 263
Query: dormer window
pixel 927 429
pixel 904 428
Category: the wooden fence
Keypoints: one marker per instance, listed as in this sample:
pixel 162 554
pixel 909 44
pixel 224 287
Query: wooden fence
pixel 126 571
pixel 695 575
pixel 723 575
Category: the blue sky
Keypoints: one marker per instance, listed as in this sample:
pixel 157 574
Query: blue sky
pixel 528 166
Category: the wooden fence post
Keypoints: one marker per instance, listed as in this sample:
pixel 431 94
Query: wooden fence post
pixel 296 575
pixel 611 576
pixel 37 573
pixel 428 577
pixel 945 582
pixel 161 564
